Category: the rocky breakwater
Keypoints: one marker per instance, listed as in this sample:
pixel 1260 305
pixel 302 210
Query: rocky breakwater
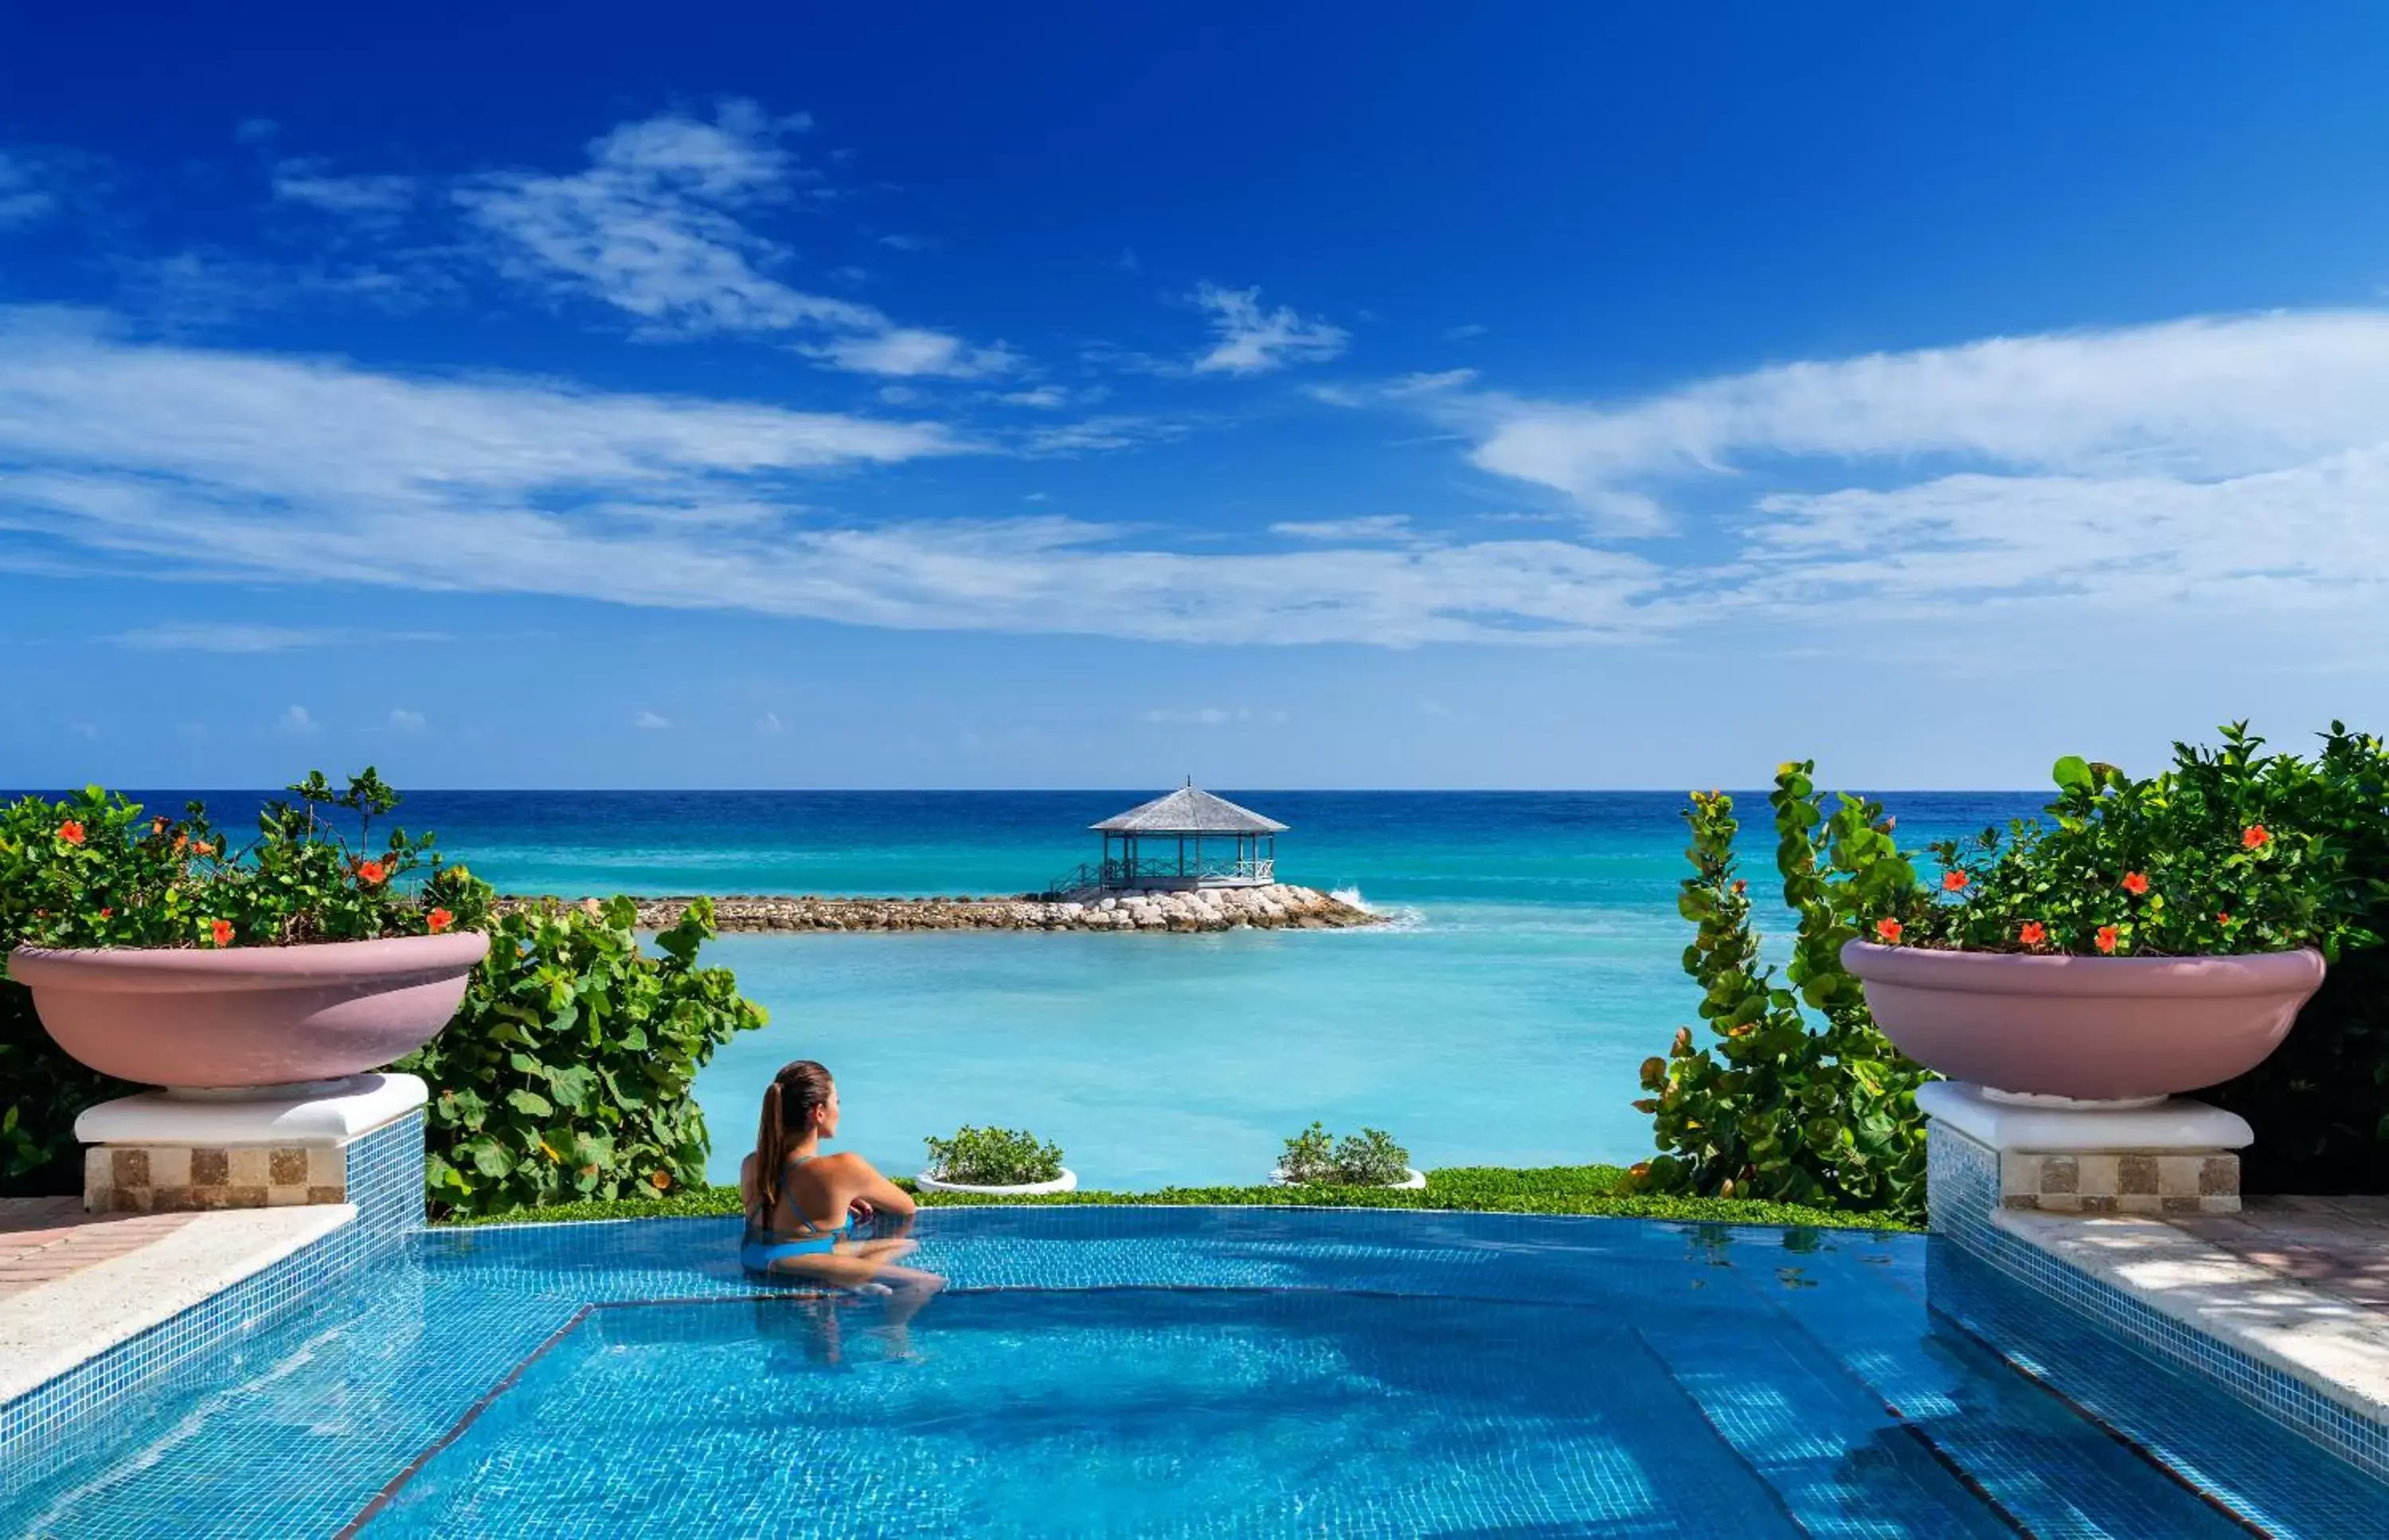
pixel 1277 907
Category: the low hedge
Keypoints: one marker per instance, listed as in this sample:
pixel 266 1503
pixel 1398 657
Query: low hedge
pixel 1578 1189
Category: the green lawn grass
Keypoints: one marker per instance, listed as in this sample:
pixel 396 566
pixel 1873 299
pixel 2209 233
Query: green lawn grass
pixel 1478 1189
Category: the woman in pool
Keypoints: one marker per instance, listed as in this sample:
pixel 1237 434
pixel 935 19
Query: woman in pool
pixel 802 1205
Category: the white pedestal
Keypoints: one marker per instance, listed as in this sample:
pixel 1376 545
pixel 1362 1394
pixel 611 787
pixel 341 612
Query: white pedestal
pixel 161 1152
pixel 2174 1157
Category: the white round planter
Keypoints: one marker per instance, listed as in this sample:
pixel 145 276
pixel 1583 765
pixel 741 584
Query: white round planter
pixel 1416 1179
pixel 1067 1182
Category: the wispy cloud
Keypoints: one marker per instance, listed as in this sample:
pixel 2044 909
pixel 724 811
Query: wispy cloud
pixel 295 722
pixel 405 723
pixel 372 199
pixel 2238 463
pixel 908 350
pixel 25 195
pixel 656 226
pixel 204 636
pixel 1253 341
pixel 1210 716
pixel 1366 527
pixel 648 721
pixel 214 465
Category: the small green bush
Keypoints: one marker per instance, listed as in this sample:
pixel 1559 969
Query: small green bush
pixel 1370 1158
pixel 567 1075
pixel 993 1158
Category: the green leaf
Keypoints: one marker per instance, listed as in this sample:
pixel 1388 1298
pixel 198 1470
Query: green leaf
pixel 2072 772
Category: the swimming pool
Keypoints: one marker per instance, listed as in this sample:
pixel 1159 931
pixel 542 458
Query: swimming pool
pixel 1194 1372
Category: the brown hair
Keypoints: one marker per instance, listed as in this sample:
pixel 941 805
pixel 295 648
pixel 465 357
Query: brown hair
pixel 789 1104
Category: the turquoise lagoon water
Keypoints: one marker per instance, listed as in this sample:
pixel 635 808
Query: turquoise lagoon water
pixel 1532 963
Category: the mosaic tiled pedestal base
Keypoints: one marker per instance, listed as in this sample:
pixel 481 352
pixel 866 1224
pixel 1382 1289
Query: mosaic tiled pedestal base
pixel 2176 1157
pixel 159 1152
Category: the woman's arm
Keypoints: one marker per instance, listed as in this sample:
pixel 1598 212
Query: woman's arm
pixel 746 1183
pixel 867 1184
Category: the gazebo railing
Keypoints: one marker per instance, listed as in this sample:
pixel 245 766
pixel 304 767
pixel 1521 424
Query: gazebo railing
pixel 1127 873
pixel 1119 873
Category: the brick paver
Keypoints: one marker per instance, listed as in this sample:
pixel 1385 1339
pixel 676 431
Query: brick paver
pixel 42 1240
pixel 2340 1246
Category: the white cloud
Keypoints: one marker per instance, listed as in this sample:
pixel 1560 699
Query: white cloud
pixel 651 226
pixel 208 636
pixel 377 200
pixel 656 225
pixel 404 722
pixel 1092 434
pixel 1463 334
pixel 1253 341
pixel 295 722
pixel 214 465
pixel 24 199
pixel 648 721
pixel 1367 527
pixel 906 351
pixel 1211 716
pixel 2238 463
pixel 770 725
pixel 1042 396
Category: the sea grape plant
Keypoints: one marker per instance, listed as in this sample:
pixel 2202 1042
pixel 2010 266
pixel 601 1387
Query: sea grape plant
pixel 993 1158
pixel 568 1073
pixel 1798 1098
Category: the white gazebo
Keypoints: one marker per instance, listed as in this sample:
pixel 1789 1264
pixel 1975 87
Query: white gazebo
pixel 1188 839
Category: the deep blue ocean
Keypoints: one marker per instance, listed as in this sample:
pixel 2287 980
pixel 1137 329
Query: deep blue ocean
pixel 1534 961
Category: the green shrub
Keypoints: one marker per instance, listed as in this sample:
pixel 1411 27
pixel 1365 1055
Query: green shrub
pixel 1370 1158
pixel 1576 1190
pixel 566 1074
pixel 1786 1106
pixel 94 870
pixel 993 1158
pixel 2226 851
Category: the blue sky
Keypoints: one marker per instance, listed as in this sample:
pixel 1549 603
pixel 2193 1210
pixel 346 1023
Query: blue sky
pixel 1095 395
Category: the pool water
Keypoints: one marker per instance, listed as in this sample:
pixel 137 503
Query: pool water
pixel 1193 1373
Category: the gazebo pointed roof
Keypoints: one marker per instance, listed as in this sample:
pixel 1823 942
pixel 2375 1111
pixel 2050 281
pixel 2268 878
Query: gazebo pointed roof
pixel 1190 810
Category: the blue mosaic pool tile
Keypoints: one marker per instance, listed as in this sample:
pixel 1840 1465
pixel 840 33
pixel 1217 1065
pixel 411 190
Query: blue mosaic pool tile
pixel 385 1179
pixel 1963 1179
pixel 1711 1380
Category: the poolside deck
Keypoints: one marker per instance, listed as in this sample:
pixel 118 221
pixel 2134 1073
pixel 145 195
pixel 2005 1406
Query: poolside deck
pixel 74 1284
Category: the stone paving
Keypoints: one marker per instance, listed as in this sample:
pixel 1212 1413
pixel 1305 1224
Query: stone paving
pixel 44 1239
pixel 2338 1245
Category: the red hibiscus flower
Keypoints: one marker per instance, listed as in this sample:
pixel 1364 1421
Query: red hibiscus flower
pixel 222 931
pixel 2223 919
pixel 2255 837
pixel 439 919
pixel 71 832
pixel 1888 931
pixel 661 1179
pixel 2106 938
pixel 2135 883
pixel 2032 933
pixel 370 873
pixel 1952 881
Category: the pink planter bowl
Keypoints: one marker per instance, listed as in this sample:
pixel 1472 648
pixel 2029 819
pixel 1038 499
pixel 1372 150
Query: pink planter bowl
pixel 2103 1029
pixel 248 1015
